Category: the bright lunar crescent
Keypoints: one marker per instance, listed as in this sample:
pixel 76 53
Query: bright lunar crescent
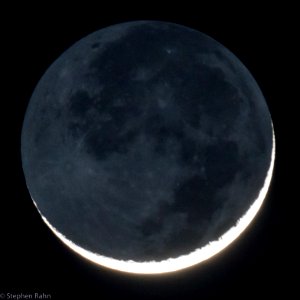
pixel 147 147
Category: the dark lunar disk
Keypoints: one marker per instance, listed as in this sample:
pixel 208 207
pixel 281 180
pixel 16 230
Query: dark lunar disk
pixel 145 141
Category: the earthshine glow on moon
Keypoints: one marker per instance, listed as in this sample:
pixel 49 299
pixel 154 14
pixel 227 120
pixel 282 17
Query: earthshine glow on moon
pixel 184 261
pixel 154 147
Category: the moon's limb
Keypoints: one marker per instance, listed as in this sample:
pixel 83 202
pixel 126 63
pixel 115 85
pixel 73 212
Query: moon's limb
pixel 184 261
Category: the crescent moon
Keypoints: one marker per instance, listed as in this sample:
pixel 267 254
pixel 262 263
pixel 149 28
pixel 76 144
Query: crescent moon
pixel 184 261
pixel 131 104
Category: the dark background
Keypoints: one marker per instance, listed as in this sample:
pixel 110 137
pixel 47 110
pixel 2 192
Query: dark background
pixel 33 260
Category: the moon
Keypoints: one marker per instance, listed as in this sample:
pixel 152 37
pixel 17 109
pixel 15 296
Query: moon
pixel 147 147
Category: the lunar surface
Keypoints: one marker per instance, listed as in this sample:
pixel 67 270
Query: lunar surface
pixel 147 147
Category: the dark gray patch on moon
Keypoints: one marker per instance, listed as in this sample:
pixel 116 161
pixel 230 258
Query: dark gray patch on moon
pixel 145 141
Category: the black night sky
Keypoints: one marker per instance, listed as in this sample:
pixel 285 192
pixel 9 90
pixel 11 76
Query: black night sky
pixel 33 260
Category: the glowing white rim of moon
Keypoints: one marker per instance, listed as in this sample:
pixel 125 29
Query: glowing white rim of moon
pixel 181 262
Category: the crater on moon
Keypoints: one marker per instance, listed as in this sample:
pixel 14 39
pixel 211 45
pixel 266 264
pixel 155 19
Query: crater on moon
pixel 145 141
